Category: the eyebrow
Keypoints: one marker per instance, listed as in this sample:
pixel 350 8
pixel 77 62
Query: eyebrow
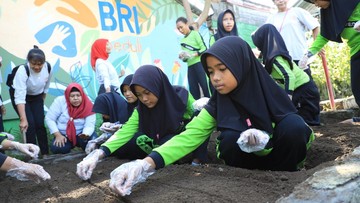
pixel 216 65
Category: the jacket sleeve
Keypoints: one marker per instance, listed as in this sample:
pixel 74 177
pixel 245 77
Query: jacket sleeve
pixel 212 40
pixel 318 44
pixel 201 43
pixel 2 156
pixel 123 135
pixel 197 131
pixel 89 125
pixel 189 107
pixel 281 68
pixel 54 112
pixel 2 137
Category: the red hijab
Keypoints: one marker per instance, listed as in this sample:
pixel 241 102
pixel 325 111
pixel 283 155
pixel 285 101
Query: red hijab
pixel 98 50
pixel 82 111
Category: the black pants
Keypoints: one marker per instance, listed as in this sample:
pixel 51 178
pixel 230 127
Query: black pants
pixel 289 141
pixel 69 145
pixel 196 76
pixel 306 99
pixel 34 109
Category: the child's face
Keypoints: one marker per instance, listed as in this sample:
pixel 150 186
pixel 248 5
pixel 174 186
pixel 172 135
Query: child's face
pixel 129 96
pixel 36 66
pixel 221 77
pixel 228 22
pixel 145 96
pixel 182 27
pixel 75 98
pixel 324 4
pixel 108 47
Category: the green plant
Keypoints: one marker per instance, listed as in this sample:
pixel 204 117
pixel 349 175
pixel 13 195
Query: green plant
pixel 338 63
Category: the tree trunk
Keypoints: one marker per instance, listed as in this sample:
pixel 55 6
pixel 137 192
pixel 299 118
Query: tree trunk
pixel 203 16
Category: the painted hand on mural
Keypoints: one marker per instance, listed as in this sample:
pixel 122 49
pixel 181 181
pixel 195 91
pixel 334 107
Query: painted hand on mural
pixel 60 36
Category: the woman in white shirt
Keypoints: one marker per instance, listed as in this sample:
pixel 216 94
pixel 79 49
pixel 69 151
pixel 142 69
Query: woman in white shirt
pixel 71 120
pixel 105 72
pixel 29 94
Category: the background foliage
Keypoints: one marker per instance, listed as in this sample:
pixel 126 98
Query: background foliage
pixel 338 63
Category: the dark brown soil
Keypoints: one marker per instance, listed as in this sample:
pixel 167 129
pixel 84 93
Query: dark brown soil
pixel 214 182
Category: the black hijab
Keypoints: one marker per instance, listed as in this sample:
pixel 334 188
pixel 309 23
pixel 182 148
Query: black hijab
pixel 221 32
pixel 127 81
pixel 271 45
pixel 335 17
pixel 166 117
pixel 111 104
pixel 257 98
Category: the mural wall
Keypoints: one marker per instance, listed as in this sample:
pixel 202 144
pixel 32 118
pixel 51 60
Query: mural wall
pixel 141 32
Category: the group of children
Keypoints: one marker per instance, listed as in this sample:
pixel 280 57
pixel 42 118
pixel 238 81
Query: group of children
pixel 249 105
pixel 261 111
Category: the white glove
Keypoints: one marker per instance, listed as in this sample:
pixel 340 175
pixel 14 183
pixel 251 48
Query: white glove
pixel 357 26
pixel 200 103
pixel 110 127
pixel 306 59
pixel 29 149
pixel 91 145
pixel 85 168
pixel 124 177
pixel 184 56
pixel 253 140
pixel 27 171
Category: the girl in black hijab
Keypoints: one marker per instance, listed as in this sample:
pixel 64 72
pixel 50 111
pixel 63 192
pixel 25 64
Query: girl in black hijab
pixel 338 20
pixel 296 83
pixel 226 26
pixel 255 102
pixel 131 99
pixel 114 110
pixel 162 113
pixel 112 107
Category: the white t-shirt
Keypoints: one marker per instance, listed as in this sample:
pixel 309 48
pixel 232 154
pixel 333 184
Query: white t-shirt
pixel 35 84
pixel 106 73
pixel 292 25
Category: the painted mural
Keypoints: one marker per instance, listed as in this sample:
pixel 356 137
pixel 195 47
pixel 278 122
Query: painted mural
pixel 141 32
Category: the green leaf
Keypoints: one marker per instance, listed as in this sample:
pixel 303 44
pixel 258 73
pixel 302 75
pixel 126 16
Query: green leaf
pixel 141 13
pixel 148 24
pixel 123 60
